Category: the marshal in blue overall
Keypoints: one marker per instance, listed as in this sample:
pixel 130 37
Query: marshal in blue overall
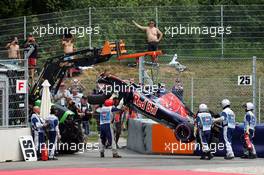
pixel 249 129
pixel 53 132
pixel 228 120
pixel 106 126
pixel 203 124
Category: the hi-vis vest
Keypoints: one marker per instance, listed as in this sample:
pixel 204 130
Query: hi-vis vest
pixel 204 121
pixel 229 118
pixel 53 122
pixel 105 115
pixel 250 120
pixel 37 123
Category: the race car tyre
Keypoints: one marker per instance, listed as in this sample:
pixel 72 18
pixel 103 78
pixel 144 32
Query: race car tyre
pixel 184 132
pixel 71 137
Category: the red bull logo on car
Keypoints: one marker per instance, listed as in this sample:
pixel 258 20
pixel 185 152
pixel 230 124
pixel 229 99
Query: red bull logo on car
pixel 145 104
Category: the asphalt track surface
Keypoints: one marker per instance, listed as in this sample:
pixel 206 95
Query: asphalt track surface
pixel 133 163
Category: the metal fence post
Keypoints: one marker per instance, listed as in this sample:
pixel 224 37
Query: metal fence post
pixel 259 100
pixel 222 35
pixel 192 94
pixel 25 27
pixel 27 94
pixel 90 25
pixel 141 70
pixel 254 82
pixel 157 17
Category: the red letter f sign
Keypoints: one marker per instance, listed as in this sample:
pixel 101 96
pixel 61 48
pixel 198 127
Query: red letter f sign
pixel 21 86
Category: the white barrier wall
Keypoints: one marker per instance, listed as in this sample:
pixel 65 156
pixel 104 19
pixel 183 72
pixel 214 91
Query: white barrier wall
pixel 9 146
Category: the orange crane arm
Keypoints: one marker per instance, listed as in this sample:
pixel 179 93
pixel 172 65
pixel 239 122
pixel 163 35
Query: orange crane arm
pixel 153 54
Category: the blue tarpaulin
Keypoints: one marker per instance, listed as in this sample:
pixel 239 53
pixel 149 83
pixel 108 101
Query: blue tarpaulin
pixel 237 143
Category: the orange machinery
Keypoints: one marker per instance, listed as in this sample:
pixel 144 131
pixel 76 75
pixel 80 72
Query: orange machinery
pixel 118 48
pixel 114 48
pixel 152 54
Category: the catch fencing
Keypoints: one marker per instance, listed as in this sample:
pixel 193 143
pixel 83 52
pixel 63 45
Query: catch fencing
pixel 215 43
pixel 204 80
pixel 13 101
pixel 209 80
pixel 203 31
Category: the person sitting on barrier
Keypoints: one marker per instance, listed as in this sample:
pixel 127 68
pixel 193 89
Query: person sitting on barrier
pixel 106 126
pixel 249 132
pixel 38 130
pixel 228 120
pixel 203 126
pixel 53 132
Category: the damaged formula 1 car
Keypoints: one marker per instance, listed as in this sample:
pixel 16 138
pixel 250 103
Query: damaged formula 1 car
pixel 165 108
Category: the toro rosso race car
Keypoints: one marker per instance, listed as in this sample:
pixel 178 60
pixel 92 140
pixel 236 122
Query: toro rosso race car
pixel 162 107
pixel 167 109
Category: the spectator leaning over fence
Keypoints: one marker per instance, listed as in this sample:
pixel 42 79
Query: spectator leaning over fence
pixel 13 50
pixel 154 35
pixel 177 89
pixel 31 53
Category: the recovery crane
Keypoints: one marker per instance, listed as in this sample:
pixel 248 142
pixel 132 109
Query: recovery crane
pixel 54 70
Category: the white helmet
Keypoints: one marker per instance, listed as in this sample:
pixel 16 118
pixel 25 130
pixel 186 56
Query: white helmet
pixel 203 108
pixel 225 103
pixel 249 106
